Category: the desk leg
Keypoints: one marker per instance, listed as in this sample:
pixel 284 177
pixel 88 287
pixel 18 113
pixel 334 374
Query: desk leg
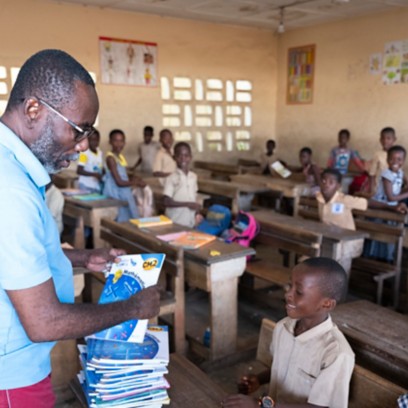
pixel 97 214
pixel 224 306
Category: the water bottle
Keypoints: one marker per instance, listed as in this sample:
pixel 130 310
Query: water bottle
pixel 207 337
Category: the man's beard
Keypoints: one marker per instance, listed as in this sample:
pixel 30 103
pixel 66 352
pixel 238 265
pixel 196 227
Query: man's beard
pixel 47 149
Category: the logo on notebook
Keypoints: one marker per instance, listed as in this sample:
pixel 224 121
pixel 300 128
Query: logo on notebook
pixel 150 263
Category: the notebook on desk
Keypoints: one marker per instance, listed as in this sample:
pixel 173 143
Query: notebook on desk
pixel 187 239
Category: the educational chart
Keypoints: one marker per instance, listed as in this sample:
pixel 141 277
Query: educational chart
pixel 128 62
pixel 395 62
pixel 301 67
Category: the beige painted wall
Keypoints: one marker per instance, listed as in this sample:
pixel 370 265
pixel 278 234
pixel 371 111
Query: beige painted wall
pixel 346 94
pixel 186 48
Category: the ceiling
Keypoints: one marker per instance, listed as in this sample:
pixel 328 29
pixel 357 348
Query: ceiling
pixel 254 13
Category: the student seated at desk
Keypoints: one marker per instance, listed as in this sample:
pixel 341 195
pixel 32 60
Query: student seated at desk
pixel 147 151
pixel 90 166
pixel 312 361
pixel 180 189
pixel 164 163
pixel 117 183
pixel 341 155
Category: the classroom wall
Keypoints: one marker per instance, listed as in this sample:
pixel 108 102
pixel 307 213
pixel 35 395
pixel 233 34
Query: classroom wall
pixel 185 48
pixel 346 95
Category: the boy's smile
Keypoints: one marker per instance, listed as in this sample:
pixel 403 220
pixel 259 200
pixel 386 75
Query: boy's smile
pixel 396 161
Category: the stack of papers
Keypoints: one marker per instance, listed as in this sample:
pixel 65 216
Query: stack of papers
pixel 124 374
pixel 124 366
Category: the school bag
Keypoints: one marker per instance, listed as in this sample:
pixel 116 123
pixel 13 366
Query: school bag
pixel 245 228
pixel 217 220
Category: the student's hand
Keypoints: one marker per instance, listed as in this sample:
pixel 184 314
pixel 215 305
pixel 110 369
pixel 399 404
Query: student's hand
pixel 99 176
pixel 248 384
pixel 239 401
pixel 194 206
pixel 401 208
pixel 146 303
pixel 98 259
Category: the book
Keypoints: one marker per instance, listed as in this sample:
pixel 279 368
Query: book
pixel 89 197
pixel 188 239
pixel 128 276
pixel 281 169
pixel 151 221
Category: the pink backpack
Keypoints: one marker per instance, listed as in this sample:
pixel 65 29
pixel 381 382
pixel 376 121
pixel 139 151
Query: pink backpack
pixel 245 228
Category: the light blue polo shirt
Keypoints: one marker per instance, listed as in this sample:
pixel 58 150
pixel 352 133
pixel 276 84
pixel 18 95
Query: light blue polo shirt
pixel 30 254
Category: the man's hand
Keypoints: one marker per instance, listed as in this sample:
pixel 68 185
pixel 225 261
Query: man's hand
pixel 98 259
pixel 239 401
pixel 146 303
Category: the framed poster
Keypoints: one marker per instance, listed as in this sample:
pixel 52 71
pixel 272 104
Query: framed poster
pixel 301 67
pixel 128 62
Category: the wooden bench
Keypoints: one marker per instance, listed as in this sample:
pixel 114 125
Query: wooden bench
pixel 387 227
pixel 367 390
pixel 308 208
pixel 286 239
pixel 173 267
pixel 222 170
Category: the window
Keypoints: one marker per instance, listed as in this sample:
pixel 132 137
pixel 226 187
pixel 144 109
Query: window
pixel 212 114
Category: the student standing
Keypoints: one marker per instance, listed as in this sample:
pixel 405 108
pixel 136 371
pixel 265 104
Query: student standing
pixel 180 189
pixel 43 128
pixel 267 158
pixel 147 151
pixel 164 163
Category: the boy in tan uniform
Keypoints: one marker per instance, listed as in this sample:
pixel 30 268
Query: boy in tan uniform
pixel 164 163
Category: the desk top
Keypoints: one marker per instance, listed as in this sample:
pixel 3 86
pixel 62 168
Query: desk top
pixel 107 202
pixel 382 330
pixel 334 233
pixel 202 254
pixel 190 387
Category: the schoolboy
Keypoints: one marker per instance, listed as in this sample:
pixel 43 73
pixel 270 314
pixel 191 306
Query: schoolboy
pixel 90 166
pixel 180 189
pixel 341 155
pixel 312 361
pixel 379 161
pixel 164 163
pixel 147 151
pixel 267 158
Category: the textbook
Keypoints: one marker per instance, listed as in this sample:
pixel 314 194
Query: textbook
pixel 187 239
pixel 281 169
pixel 90 197
pixel 151 221
pixel 127 277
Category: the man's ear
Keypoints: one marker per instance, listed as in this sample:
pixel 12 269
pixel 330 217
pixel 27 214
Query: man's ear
pixel 31 111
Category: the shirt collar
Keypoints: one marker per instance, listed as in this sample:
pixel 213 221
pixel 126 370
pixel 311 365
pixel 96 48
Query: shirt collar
pixel 318 330
pixel 320 198
pixel 24 156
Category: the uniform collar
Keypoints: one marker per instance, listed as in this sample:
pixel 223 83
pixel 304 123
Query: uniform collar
pixel 318 330
pixel 320 198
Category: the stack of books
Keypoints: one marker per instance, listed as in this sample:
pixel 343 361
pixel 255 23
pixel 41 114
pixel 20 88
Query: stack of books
pixel 124 366
pixel 125 374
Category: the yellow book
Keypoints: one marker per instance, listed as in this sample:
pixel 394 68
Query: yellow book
pixel 151 221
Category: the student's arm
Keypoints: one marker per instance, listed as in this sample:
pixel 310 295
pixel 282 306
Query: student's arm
pixel 332 159
pixel 45 318
pixel 82 172
pixel 358 162
pixel 316 173
pixel 139 160
pixel 389 194
pixel 169 202
pixel 111 163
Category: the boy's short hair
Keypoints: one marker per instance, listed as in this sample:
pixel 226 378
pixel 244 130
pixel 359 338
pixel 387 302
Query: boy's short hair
pixel 387 130
pixel 271 141
pixel 332 277
pixel 307 150
pixel 179 145
pixel 395 149
pixel 112 132
pixel 148 129
pixel 163 131
pixel 346 132
pixel 332 172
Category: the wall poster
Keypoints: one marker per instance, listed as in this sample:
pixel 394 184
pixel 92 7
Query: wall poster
pixel 301 67
pixel 128 62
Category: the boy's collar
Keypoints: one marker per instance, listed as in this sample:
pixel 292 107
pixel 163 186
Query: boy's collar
pixel 318 330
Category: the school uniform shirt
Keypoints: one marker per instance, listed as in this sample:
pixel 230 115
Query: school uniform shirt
pixel 266 161
pixel 147 153
pixel 181 187
pixel 378 165
pixel 31 254
pixel 92 162
pixel 340 159
pixel 396 179
pixel 164 163
pixel 338 210
pixel 314 367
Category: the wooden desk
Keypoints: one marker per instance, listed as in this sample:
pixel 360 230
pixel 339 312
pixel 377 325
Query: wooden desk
pixel 91 213
pixel 216 274
pixel 293 189
pixel 65 179
pixel 217 169
pixel 378 336
pixel 334 238
pixel 189 386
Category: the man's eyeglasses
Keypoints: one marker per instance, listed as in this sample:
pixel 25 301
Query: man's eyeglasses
pixel 81 134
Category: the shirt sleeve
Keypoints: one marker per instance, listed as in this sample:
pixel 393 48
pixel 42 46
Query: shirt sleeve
pixel 331 388
pixel 169 189
pixel 388 175
pixel 157 163
pixel 356 203
pixel 372 171
pixel 83 158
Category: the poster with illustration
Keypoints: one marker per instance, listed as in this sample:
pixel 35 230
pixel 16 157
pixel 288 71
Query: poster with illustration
pixel 376 64
pixel 128 62
pixel 404 61
pixel 392 62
